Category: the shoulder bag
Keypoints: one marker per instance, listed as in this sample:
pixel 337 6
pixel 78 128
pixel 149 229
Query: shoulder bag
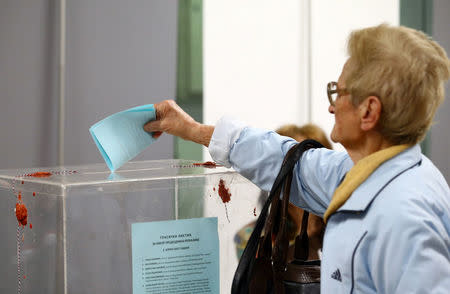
pixel 264 266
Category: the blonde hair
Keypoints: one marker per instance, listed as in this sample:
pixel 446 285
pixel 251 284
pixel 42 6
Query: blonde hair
pixel 406 70
pixel 308 131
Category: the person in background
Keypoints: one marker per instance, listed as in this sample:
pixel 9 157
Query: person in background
pixel 386 206
pixel 307 131
pixel 316 226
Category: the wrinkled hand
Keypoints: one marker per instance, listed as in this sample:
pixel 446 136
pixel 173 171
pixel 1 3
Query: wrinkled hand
pixel 171 119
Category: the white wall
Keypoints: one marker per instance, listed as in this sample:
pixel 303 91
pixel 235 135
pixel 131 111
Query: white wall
pixel 256 56
pixel 252 61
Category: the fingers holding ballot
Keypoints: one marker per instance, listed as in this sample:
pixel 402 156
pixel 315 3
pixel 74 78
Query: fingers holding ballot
pixel 171 119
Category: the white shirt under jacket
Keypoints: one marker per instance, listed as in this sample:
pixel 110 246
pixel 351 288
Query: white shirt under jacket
pixel 392 234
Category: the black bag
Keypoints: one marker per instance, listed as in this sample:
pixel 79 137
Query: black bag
pixel 263 267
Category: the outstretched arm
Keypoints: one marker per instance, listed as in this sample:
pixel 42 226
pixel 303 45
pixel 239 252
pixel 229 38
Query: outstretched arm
pixel 256 154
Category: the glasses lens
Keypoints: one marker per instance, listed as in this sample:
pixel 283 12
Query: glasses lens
pixel 334 96
pixel 332 92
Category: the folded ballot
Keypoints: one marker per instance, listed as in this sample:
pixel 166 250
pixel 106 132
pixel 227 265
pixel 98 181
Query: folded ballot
pixel 121 137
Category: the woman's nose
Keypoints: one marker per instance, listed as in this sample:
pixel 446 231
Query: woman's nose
pixel 331 109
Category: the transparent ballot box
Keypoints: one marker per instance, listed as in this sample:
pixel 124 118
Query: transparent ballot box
pixel 83 229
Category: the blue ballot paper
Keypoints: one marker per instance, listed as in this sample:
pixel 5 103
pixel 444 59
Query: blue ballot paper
pixel 121 136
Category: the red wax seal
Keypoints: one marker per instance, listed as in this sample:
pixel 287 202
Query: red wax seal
pixel 21 213
pixel 209 164
pixel 224 193
pixel 40 174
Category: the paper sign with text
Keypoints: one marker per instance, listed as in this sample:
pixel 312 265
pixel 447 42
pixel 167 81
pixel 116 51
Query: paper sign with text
pixel 176 256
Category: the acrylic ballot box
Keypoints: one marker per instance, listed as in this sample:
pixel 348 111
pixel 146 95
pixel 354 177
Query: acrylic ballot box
pixel 81 229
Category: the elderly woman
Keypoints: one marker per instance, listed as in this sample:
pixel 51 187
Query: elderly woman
pixel 386 205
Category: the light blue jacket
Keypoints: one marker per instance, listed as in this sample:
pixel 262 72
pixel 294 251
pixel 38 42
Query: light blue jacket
pixel 392 234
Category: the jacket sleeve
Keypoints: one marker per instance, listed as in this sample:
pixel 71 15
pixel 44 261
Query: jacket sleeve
pixel 257 154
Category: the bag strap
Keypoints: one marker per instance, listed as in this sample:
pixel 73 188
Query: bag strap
pixel 301 250
pixel 242 276
pixel 279 254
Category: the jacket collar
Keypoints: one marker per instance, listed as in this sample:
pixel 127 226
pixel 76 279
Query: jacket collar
pixel 386 172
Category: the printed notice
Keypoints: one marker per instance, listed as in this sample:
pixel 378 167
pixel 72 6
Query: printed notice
pixel 179 256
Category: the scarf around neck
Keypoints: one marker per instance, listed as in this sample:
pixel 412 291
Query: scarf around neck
pixel 358 174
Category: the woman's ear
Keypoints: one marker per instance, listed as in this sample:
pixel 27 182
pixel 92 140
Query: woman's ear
pixel 370 112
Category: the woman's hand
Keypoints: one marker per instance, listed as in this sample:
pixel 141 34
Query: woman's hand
pixel 171 119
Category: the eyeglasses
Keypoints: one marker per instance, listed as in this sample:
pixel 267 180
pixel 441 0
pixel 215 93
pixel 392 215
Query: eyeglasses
pixel 334 92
